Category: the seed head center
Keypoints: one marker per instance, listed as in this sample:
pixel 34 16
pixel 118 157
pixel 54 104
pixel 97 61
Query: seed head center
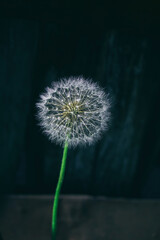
pixel 72 110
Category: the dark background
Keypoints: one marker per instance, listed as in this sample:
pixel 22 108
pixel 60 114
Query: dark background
pixel 115 43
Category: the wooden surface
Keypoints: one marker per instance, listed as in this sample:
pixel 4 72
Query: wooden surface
pixel 33 53
pixel 80 218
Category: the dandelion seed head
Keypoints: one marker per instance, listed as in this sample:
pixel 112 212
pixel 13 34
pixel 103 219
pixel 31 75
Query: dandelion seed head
pixel 75 108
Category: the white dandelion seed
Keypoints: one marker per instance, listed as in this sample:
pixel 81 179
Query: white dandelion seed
pixel 74 107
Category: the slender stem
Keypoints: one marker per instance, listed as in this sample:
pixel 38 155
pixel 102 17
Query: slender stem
pixel 58 189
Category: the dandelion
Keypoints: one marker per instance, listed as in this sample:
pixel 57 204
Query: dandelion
pixel 74 107
pixel 72 112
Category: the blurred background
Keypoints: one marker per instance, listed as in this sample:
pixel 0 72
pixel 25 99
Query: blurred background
pixel 115 43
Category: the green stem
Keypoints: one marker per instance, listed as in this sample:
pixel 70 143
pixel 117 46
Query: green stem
pixel 58 189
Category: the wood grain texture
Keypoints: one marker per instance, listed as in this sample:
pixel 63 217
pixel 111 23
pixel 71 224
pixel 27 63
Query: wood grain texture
pixel 80 218
pixel 125 62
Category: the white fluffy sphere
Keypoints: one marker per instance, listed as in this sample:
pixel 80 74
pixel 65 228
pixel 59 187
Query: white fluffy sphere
pixel 74 108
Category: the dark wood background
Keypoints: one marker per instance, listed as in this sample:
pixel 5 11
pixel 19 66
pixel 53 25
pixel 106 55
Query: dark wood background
pixel 116 44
